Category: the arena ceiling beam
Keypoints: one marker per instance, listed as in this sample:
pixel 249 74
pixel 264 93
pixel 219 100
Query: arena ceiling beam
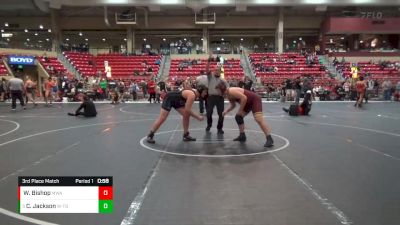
pixel 206 3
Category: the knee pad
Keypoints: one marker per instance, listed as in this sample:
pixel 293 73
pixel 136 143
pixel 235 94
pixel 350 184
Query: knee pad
pixel 239 120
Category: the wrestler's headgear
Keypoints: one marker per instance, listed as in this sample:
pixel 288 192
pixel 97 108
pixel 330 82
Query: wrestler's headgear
pixel 201 87
pixel 222 87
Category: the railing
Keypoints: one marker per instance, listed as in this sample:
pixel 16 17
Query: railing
pixel 68 65
pixel 161 69
pixel 248 65
pixel 41 70
pixel 9 70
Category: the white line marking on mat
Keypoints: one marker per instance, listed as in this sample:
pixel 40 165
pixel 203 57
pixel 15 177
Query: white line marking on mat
pixel 24 218
pixel 39 161
pixel 9 132
pixel 388 117
pixel 377 151
pixel 287 143
pixel 353 127
pixel 343 219
pixel 134 208
pixel 69 128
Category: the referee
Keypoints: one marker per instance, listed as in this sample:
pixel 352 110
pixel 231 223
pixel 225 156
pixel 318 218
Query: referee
pixel 215 98
pixel 16 87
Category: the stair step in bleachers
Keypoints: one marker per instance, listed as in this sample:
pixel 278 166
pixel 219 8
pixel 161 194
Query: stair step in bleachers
pixel 3 70
pixel 52 62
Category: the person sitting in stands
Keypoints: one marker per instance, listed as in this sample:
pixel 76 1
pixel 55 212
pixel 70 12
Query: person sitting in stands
pixel 180 67
pixel 89 109
pixel 305 107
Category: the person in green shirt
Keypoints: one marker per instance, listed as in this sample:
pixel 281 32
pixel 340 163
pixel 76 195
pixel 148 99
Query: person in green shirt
pixel 103 86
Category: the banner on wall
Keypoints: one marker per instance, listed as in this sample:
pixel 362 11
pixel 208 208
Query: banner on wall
pixel 21 60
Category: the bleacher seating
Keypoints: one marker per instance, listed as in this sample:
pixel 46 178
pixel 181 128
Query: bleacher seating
pixel 3 70
pixel 284 69
pixel 52 62
pixel 125 66
pixel 81 62
pixel 232 69
pixel 374 70
pixel 122 66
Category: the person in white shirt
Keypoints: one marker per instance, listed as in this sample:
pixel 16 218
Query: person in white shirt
pixel 370 88
pixel 16 87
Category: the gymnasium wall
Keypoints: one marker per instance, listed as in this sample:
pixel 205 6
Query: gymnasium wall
pixel 170 22
pixel 368 58
pixel 204 56
pixel 26 52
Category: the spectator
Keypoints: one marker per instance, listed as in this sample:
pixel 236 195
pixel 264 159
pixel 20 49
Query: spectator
pixel 346 87
pixel 198 50
pixel 387 89
pixel 376 87
pixel 297 88
pixel 133 90
pixel 158 94
pixel 241 83
pixel 3 88
pixel 151 88
pixel 397 95
pixel 255 47
pixel 143 86
pixel 189 46
pixel 202 99
pixel 335 61
pixel 248 83
pixel 288 87
pixel 103 86
pixel 217 59
pixel 121 89
pixel 161 84
pixel 370 89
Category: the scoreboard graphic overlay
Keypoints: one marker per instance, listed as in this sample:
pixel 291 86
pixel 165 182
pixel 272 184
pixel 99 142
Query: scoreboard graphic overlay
pixel 65 194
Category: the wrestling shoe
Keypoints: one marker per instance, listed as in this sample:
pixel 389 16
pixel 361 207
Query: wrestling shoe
pixel 150 138
pixel 241 137
pixel 220 131
pixel 208 128
pixel 269 142
pixel 187 137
